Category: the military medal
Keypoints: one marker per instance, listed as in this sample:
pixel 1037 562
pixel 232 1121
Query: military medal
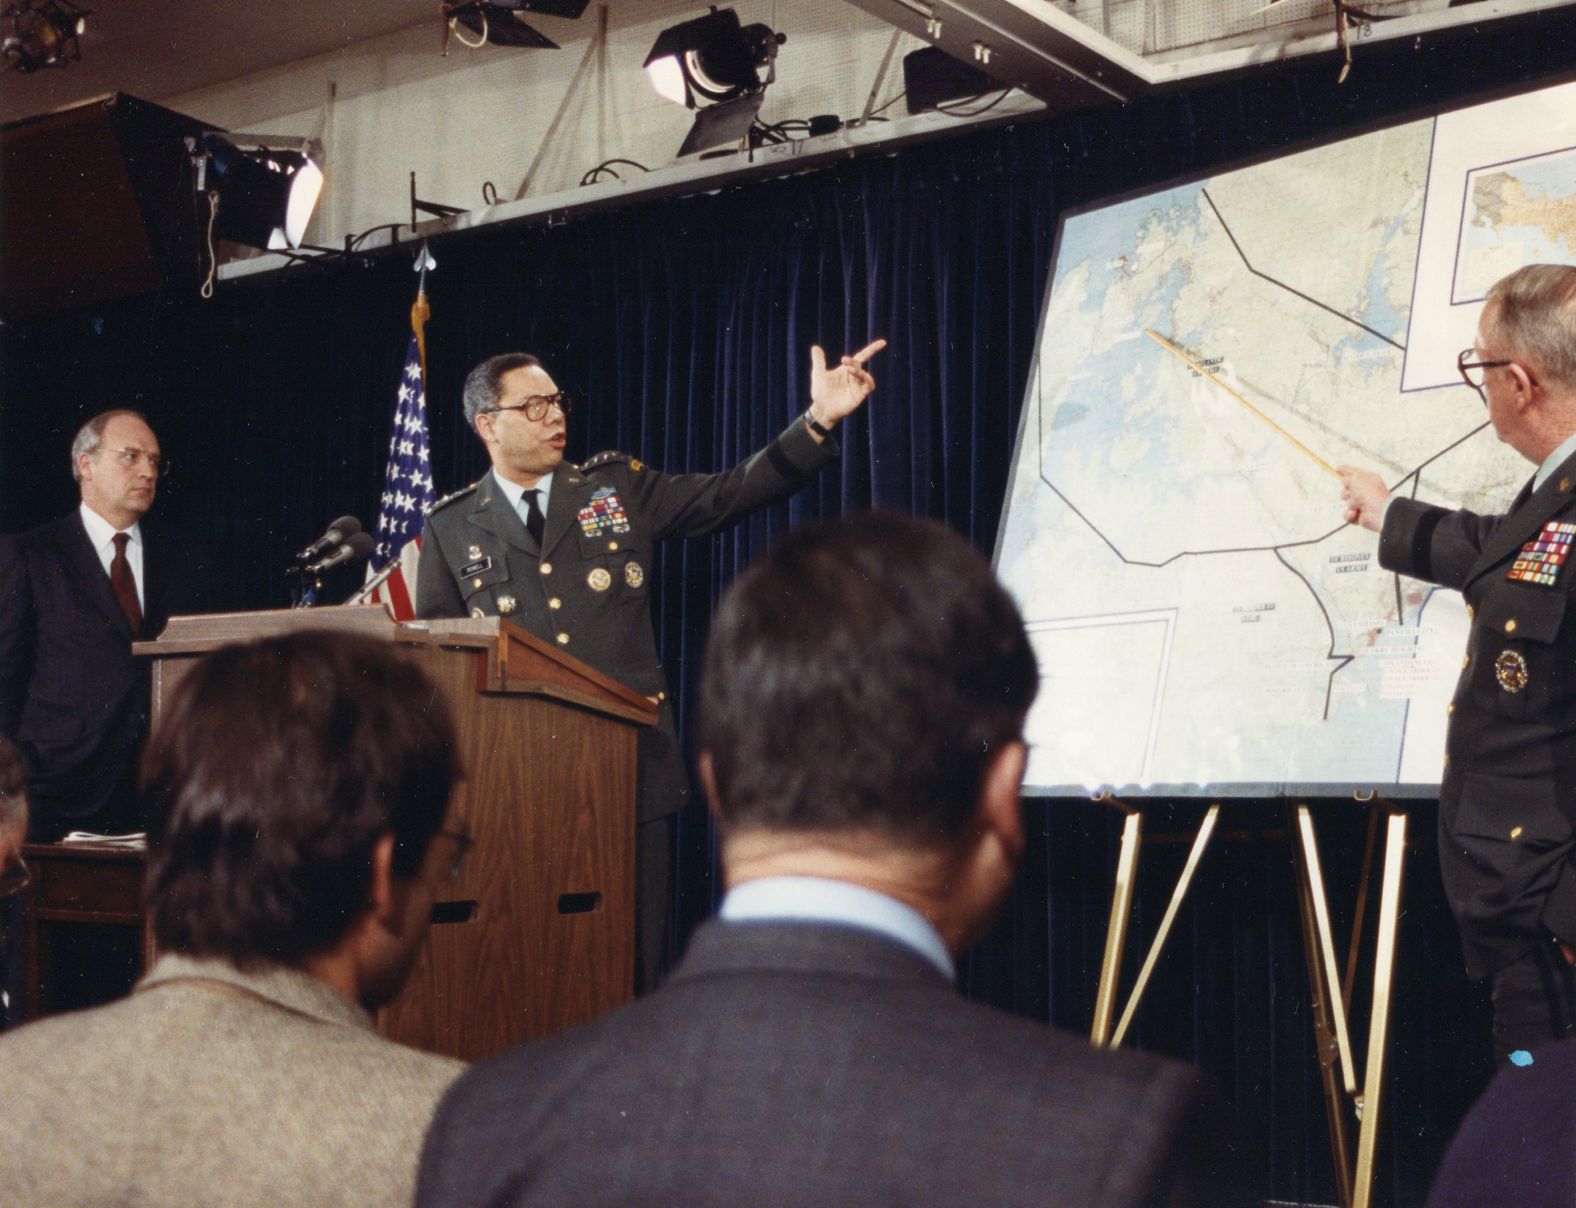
pixel 1540 560
pixel 604 514
pixel 1510 669
pixel 633 575
pixel 599 579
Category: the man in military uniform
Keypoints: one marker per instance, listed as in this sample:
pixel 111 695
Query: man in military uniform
pixel 1507 805
pixel 564 551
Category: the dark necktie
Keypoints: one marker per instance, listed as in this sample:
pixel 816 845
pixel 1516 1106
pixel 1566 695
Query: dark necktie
pixel 124 586
pixel 534 521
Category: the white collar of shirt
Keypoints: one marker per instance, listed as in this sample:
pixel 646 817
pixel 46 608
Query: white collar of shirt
pixel 514 492
pixel 818 899
pixel 1553 461
pixel 101 533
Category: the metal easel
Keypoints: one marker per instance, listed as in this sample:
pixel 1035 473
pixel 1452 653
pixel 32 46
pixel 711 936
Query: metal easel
pixel 1346 1101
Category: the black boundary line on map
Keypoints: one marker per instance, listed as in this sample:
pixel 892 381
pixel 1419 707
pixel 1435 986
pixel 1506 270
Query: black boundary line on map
pixel 1329 654
pixel 1248 264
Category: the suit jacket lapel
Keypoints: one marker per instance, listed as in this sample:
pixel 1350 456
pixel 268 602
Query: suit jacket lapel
pixel 1526 519
pixel 82 563
pixel 491 510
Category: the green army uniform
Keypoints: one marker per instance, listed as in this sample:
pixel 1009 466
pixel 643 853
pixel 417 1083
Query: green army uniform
pixel 587 587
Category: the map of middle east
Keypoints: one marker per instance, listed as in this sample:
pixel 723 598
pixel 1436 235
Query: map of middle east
pixel 1204 618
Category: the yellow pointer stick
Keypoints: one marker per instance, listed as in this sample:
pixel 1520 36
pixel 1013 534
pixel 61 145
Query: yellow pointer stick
pixel 1199 369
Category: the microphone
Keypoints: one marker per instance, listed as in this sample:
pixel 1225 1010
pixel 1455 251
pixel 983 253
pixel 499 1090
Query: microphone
pixel 339 532
pixel 360 545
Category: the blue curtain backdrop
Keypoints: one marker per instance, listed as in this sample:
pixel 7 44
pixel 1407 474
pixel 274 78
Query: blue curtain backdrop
pixel 684 326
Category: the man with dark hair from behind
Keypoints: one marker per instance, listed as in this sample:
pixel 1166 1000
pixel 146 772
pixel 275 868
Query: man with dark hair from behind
pixel 297 790
pixel 863 699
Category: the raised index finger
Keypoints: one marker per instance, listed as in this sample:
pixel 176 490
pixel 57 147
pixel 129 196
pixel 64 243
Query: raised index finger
pixel 868 351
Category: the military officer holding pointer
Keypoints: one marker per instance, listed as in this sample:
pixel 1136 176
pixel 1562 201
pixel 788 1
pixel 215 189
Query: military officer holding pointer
pixel 1507 804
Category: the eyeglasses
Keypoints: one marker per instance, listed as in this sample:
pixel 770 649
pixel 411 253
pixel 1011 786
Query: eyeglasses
pixel 1472 372
pixel 130 458
pixel 14 878
pixel 536 406
pixel 463 842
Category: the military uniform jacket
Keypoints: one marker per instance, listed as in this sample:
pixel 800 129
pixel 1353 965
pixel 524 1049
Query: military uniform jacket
pixel 586 588
pixel 1508 795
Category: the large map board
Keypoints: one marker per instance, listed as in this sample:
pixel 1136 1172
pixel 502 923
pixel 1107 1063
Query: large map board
pixel 1205 621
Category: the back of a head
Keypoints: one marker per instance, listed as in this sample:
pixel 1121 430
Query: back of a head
pixel 1534 316
pixel 275 768
pixel 859 679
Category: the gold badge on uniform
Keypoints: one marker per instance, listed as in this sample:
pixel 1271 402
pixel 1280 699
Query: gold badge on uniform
pixel 636 464
pixel 1510 669
pixel 474 552
pixel 633 575
pixel 507 604
pixel 599 579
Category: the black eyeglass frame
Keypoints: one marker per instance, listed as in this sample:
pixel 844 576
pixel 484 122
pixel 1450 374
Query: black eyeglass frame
pixel 1462 365
pixel 14 878
pixel 463 842
pixel 536 406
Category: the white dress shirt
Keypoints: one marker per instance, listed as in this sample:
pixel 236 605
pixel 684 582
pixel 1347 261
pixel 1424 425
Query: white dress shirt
pixel 821 900
pixel 514 493
pixel 102 534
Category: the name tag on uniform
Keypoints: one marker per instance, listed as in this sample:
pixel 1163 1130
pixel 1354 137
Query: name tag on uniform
pixel 479 567
pixel 1540 559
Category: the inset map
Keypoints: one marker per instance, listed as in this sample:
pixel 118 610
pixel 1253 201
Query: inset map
pixel 1515 213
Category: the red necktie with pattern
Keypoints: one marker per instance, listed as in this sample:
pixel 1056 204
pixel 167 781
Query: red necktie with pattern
pixel 125 587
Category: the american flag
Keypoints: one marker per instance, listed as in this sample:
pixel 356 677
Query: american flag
pixel 407 482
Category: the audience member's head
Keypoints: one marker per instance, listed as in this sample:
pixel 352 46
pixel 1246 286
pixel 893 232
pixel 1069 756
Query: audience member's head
pixel 13 818
pixel 864 696
pixel 295 787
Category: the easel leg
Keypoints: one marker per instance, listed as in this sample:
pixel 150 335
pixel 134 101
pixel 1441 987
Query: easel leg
pixel 1116 930
pixel 1378 1024
pixel 1200 842
pixel 1328 1016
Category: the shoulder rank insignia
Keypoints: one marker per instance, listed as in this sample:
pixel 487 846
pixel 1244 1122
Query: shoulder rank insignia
pixel 612 458
pixel 450 498
pixel 1540 559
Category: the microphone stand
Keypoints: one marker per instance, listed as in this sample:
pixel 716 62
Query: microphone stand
pixel 377 581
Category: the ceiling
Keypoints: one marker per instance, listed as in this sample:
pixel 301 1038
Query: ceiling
pixel 162 48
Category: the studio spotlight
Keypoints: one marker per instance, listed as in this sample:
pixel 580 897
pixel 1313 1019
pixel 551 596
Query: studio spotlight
pixel 713 64
pixel 263 197
pixel 43 33
pixel 495 22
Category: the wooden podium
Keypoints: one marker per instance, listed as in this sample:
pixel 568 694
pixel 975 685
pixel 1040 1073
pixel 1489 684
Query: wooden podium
pixel 539 931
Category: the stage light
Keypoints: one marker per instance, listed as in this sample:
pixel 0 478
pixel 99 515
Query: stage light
pixel 713 64
pixel 263 197
pixel 43 33
pixel 495 22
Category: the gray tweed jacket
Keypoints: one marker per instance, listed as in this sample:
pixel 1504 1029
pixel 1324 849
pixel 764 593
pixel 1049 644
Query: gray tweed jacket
pixel 213 1086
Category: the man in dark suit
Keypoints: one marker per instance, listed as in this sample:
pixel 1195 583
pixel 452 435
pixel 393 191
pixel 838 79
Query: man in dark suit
pixel 1507 799
pixel 564 551
pixel 74 595
pixel 862 704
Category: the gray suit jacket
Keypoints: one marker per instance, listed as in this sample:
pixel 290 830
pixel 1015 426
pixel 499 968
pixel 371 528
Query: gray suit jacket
pixel 800 1064
pixel 212 1086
